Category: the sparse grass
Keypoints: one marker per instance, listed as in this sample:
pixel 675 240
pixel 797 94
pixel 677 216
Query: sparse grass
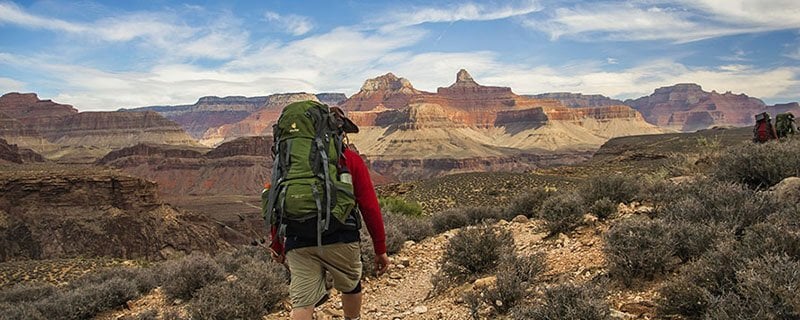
pixel 563 213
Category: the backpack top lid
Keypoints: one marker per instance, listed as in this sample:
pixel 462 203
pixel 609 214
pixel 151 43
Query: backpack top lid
pixel 762 116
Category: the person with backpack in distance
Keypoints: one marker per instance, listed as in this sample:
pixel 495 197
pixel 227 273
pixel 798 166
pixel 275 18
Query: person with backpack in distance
pixel 312 206
pixel 763 131
pixel 785 125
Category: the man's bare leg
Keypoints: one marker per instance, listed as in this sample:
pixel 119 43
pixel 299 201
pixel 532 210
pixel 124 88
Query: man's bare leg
pixel 351 304
pixel 304 313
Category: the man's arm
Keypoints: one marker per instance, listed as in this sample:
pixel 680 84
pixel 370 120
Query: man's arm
pixel 367 200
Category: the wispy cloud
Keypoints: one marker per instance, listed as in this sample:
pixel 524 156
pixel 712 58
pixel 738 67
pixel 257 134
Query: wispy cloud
pixel 11 85
pixel 679 21
pixel 469 11
pixel 294 24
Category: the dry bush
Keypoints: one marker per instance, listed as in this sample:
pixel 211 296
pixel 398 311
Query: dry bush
pixel 563 213
pixel 149 314
pixel 528 204
pixel 232 261
pixel 474 251
pixel 566 301
pixel 637 248
pixel 26 292
pixel 87 301
pixel 603 208
pixel 759 166
pixel 617 188
pixel 514 277
pixel 184 276
pixel 145 278
pixel 20 311
pixel 258 287
pixel 415 228
pixel 449 219
pixel 690 240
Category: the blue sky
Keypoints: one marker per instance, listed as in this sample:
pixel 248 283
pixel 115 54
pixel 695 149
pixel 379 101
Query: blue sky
pixel 104 55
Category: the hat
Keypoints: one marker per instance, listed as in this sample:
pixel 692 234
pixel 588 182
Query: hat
pixel 347 124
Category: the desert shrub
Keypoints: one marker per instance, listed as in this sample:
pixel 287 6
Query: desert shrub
pixel 514 276
pixel 414 228
pixel 603 208
pixel 769 288
pixel 690 240
pixel 149 314
pixel 367 255
pixel 683 297
pixel 400 206
pixel 26 292
pixel 172 314
pixel 562 213
pixel 528 204
pixel 145 278
pixel 774 237
pixel 636 248
pixel 87 301
pixel 20 311
pixel 232 261
pixel 394 238
pixel 471 252
pixel 617 188
pixel 759 166
pixel 449 219
pixel 476 215
pixel 257 288
pixel 566 301
pixel 184 276
pixel 727 204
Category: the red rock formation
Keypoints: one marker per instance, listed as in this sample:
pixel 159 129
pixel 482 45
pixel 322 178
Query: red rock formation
pixel 387 90
pixel 13 154
pixel 66 214
pixel 27 106
pixel 688 108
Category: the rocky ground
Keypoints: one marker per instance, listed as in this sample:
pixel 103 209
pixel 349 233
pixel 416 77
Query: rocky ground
pixel 405 291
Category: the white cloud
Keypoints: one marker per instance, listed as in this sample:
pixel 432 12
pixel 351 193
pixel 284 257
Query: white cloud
pixel 461 12
pixel 13 14
pixel 680 21
pixel 294 24
pixel 11 85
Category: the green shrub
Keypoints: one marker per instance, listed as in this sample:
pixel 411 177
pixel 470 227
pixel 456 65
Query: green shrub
pixel 563 213
pixel 617 188
pixel 566 301
pixel 603 208
pixel 528 204
pixel 759 166
pixel 86 302
pixel 258 287
pixel 637 248
pixel 400 206
pixel 184 276
pixel 472 252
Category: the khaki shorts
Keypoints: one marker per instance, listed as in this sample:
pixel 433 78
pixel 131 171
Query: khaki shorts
pixel 308 266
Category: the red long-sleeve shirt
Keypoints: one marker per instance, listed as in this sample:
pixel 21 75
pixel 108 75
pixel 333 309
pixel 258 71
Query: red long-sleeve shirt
pixel 366 199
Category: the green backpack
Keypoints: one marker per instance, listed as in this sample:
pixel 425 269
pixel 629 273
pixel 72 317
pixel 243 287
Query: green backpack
pixel 307 179
pixel 784 124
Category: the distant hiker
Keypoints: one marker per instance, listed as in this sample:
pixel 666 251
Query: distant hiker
pixel 785 125
pixel 312 207
pixel 763 130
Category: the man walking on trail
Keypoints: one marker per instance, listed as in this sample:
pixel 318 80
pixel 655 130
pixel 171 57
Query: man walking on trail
pixel 339 255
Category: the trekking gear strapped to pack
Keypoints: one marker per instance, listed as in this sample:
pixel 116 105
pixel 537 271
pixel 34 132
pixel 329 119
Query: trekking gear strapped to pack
pixel 308 180
pixel 785 125
pixel 763 130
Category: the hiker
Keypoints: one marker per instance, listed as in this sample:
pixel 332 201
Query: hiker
pixel 785 125
pixel 763 131
pixel 310 253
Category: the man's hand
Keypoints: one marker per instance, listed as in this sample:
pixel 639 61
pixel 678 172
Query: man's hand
pixel 279 258
pixel 381 264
